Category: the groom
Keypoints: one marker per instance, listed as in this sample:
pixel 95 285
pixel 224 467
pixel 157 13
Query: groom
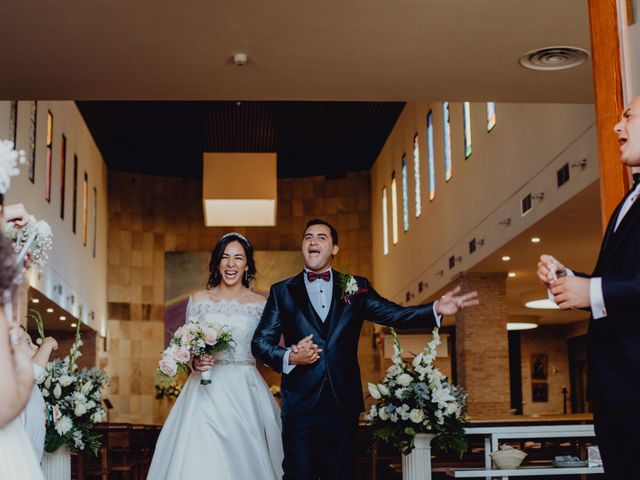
pixel 320 311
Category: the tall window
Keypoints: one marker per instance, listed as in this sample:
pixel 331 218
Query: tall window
pixel 385 223
pixel 85 206
pixel 431 157
pixel 394 208
pixel 33 122
pixel 405 194
pixel 416 175
pixel 63 173
pixel 446 120
pixel 467 129
pixel 47 182
pixel 74 213
pixel 13 122
pixel 491 115
pixel 94 219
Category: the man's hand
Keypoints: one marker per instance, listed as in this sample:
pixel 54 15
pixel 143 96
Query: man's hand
pixel 546 268
pixel 202 364
pixel 571 292
pixel 50 342
pixel 451 303
pixel 17 214
pixel 305 352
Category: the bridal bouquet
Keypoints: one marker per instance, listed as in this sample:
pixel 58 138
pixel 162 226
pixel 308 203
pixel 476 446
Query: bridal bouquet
pixel 35 238
pixel 417 398
pixel 195 339
pixel 73 401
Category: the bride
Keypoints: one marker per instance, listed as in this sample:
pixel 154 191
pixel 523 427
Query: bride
pixel 230 428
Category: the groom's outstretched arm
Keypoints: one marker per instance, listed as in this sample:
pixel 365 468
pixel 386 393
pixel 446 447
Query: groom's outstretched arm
pixel 385 312
pixel 266 338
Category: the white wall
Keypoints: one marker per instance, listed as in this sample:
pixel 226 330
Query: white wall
pixel 71 264
pixel 519 156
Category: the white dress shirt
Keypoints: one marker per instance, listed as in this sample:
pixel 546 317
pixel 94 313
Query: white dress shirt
pixel 320 293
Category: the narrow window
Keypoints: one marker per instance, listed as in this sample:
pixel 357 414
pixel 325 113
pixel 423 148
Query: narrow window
pixel 446 120
pixel 33 123
pixel 94 219
pixel 431 157
pixel 491 115
pixel 416 175
pixel 47 182
pixel 74 213
pixel 394 208
pixel 85 206
pixel 13 122
pixel 467 129
pixel 63 173
pixel 405 194
pixel 385 223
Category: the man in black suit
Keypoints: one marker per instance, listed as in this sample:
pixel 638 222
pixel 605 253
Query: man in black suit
pixel 612 293
pixel 320 311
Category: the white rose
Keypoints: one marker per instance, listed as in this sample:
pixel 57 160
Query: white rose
pixel 405 379
pixel 383 415
pixel 383 389
pixel 80 410
pixel 416 416
pixel 373 390
pixel 57 391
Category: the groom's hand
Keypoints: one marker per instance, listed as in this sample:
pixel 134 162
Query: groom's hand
pixel 305 352
pixel 451 303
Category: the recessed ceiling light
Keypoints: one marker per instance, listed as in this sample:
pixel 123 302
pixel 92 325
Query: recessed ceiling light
pixel 35 300
pixel 544 304
pixel 535 240
pixel 74 325
pixel 554 58
pixel 521 326
pixel 49 310
pixel 63 318
pixel 512 274
pixel 506 258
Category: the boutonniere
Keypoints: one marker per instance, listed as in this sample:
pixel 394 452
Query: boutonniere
pixel 349 287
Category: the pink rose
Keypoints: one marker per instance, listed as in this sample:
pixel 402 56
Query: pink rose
pixel 210 333
pixel 168 366
pixel 187 338
pixel 56 414
pixel 181 355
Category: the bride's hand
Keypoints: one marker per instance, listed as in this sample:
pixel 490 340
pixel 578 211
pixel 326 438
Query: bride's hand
pixel 202 364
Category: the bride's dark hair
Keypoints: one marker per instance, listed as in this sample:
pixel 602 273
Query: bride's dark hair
pixel 216 257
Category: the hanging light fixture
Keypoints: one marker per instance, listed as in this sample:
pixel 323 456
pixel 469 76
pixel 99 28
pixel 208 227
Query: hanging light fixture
pixel 239 189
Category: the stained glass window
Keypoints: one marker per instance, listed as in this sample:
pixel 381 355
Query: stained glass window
pixel 385 223
pixel 47 183
pixel 74 213
pixel 491 115
pixel 467 129
pixel 394 208
pixel 33 122
pixel 431 157
pixel 416 175
pixel 446 120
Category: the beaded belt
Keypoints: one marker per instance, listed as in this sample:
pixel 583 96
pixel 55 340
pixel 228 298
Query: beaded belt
pixel 220 361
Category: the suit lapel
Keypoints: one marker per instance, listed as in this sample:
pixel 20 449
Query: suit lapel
pixel 613 239
pixel 337 305
pixel 300 296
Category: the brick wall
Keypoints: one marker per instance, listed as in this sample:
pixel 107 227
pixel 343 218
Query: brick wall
pixel 149 216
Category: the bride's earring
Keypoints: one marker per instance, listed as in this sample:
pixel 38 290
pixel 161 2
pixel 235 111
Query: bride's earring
pixel 246 277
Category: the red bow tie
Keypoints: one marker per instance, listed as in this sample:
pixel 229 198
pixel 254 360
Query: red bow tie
pixel 312 276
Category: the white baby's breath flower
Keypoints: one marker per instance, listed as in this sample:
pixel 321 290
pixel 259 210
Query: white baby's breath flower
pixel 9 159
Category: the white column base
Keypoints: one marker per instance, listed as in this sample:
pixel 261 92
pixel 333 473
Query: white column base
pixel 57 465
pixel 417 465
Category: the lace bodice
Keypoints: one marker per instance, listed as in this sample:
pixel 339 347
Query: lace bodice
pixel 241 318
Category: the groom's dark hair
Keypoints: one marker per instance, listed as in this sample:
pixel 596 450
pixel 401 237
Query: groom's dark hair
pixel 318 221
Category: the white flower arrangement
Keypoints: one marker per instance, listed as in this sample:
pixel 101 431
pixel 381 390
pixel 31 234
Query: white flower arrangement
pixel 9 160
pixel 417 398
pixel 35 238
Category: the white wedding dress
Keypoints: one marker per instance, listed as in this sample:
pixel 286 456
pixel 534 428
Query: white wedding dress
pixel 17 458
pixel 229 429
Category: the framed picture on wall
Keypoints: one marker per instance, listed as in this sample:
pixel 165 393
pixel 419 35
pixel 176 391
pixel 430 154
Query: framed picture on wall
pixel 539 363
pixel 33 120
pixel 539 392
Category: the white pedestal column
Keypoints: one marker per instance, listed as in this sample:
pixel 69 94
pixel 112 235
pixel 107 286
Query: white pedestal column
pixel 57 465
pixel 417 465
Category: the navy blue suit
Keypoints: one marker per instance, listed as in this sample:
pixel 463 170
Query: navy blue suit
pixel 614 348
pixel 321 402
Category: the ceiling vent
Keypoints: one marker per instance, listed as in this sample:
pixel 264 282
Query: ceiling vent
pixel 554 58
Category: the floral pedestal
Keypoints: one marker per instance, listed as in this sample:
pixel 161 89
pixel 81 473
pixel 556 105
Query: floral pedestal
pixel 57 465
pixel 417 465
